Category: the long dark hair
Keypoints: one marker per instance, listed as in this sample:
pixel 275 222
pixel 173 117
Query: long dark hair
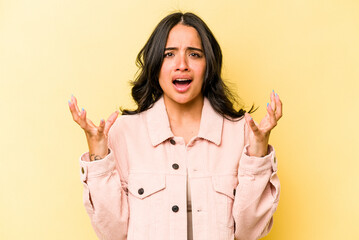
pixel 146 89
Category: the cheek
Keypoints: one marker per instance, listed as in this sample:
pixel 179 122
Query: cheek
pixel 165 70
pixel 162 82
pixel 163 79
pixel 162 72
pixel 201 70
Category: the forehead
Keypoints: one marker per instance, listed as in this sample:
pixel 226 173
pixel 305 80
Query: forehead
pixel 185 36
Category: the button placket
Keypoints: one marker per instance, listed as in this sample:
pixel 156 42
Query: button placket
pixel 177 154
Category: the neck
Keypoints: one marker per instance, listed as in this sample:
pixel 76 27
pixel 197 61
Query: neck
pixel 184 113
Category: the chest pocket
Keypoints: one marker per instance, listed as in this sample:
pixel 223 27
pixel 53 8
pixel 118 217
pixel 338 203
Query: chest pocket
pixel 224 187
pixel 146 196
pixel 144 185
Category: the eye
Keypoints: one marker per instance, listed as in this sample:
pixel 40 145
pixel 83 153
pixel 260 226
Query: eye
pixel 168 54
pixel 197 55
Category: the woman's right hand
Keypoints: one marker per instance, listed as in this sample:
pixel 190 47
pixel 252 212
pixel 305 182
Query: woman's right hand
pixel 97 136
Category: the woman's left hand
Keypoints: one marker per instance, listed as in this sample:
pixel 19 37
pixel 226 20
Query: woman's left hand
pixel 259 134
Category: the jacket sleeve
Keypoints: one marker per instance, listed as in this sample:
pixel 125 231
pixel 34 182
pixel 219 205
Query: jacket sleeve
pixel 105 195
pixel 257 195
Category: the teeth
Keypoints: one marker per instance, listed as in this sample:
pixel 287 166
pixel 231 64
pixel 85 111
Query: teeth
pixel 182 79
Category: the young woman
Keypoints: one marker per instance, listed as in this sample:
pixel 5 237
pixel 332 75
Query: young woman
pixel 185 164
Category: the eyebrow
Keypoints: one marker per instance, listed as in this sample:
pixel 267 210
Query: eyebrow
pixel 189 48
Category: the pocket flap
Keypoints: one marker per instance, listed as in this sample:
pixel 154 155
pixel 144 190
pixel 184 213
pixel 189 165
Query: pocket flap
pixel 225 184
pixel 143 185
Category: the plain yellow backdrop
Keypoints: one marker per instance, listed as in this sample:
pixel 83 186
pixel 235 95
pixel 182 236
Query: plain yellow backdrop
pixel 307 51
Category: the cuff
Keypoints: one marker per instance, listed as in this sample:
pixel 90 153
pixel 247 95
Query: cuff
pixel 257 164
pixel 95 168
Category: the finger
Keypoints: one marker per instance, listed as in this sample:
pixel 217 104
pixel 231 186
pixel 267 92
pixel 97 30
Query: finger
pixel 86 123
pixel 272 99
pixel 279 111
pixel 74 100
pixel 74 112
pixel 110 121
pixel 272 118
pixel 82 120
pixel 101 127
pixel 90 123
pixel 251 124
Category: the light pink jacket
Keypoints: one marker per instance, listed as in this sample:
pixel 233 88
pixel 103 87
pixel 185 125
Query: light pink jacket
pixel 138 192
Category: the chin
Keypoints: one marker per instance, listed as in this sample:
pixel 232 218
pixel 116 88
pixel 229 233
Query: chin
pixel 185 99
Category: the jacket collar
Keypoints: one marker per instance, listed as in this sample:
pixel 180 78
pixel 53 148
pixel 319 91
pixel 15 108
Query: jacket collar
pixel 159 127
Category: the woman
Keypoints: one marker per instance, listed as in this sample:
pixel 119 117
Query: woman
pixel 185 164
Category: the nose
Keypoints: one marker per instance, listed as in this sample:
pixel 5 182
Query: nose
pixel 182 64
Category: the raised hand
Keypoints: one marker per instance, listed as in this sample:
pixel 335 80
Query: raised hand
pixel 96 136
pixel 259 134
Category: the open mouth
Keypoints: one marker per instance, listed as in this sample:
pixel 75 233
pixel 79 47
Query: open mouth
pixel 182 84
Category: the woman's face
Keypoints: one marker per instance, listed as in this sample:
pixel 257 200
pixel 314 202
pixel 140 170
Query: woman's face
pixel 184 65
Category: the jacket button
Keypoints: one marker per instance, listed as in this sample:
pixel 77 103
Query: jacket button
pixel 175 166
pixel 175 208
pixel 82 170
pixel 141 191
pixel 234 192
pixel 173 142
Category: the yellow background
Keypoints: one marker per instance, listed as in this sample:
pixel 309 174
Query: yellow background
pixel 307 51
